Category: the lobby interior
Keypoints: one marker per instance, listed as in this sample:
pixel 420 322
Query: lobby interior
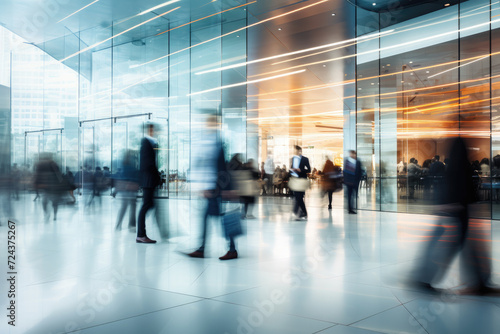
pixel 393 80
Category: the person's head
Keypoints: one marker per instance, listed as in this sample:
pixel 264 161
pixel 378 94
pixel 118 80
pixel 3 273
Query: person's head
pixel 150 129
pixel 353 154
pixel 436 157
pixel 298 150
pixel 412 160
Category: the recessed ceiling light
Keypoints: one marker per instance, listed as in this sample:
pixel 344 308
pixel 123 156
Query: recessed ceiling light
pixel 374 4
pixel 446 4
pixel 427 72
pixel 411 62
pixel 324 65
pixel 388 65
pixel 237 35
pixel 279 28
pixel 333 14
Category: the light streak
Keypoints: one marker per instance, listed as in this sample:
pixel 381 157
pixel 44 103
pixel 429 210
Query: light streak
pixel 90 4
pixel 246 83
pixel 159 6
pixel 114 36
pixel 231 32
pixel 206 17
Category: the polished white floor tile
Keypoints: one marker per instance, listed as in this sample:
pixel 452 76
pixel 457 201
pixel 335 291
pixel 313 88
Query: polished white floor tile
pixel 212 317
pixel 396 320
pixel 335 273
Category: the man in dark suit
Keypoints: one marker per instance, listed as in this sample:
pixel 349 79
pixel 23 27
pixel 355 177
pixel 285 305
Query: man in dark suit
pixel 352 177
pixel 299 168
pixel 150 179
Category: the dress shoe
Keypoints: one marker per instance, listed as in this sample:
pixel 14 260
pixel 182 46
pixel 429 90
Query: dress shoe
pixel 303 218
pixel 329 207
pixel 229 255
pixel 352 212
pixel 480 291
pixel 145 240
pixel 197 254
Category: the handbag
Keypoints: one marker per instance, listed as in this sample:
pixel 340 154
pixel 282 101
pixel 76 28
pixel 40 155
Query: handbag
pixel 298 184
pixel 231 221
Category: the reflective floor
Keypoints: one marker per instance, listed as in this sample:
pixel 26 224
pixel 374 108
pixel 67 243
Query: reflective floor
pixel 336 273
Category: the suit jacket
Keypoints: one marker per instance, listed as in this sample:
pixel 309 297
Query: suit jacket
pixel 304 167
pixel 150 177
pixel 352 174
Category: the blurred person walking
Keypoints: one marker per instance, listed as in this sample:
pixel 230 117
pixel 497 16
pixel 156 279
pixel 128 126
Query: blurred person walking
pixel 212 177
pixel 299 183
pixel 70 183
pixel 269 172
pixel 352 177
pixel 413 175
pixel 50 182
pixel 250 189
pixel 455 195
pixel 331 178
pixel 149 180
pixel 126 185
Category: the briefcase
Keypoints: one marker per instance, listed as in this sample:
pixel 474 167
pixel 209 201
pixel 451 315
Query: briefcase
pixel 231 222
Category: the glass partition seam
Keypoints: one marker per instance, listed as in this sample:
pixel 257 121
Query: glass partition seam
pixel 491 117
pixel 190 106
pixel 379 198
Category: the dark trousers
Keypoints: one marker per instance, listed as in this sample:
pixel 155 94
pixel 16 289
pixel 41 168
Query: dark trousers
pixel 299 203
pixel 147 203
pixel 352 194
pixel 330 197
pixel 439 255
pixel 213 209
pixel 129 200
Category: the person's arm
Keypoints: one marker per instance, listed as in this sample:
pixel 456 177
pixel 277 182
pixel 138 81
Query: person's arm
pixel 308 167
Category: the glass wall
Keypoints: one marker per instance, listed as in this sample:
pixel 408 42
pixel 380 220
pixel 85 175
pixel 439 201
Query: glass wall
pixel 85 97
pixel 420 82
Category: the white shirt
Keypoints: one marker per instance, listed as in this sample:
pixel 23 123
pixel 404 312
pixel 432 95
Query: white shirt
pixel 295 164
pixel 204 170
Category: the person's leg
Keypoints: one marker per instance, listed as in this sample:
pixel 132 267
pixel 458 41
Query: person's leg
pixel 295 203
pixel 349 198
pixel 232 245
pixel 132 203
pixel 55 204
pixel 121 212
pixel 45 203
pixel 147 203
pixel 355 197
pixel 302 204
pixel 330 198
pixel 204 226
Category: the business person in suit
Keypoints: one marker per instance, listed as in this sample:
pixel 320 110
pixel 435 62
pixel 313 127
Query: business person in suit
pixel 352 177
pixel 150 179
pixel 299 168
